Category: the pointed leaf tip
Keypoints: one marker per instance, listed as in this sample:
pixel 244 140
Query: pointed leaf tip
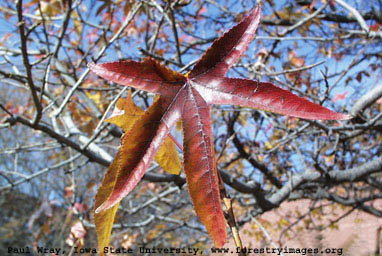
pixel 346 117
pixel 103 207
pixel 226 50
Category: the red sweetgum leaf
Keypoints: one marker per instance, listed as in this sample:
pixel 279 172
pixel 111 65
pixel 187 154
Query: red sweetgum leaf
pixel 188 98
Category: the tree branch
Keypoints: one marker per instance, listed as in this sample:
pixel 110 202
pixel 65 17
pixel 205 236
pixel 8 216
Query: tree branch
pixel 28 67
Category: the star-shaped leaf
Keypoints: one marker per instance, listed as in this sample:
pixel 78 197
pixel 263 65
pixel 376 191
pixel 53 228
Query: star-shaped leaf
pixel 188 98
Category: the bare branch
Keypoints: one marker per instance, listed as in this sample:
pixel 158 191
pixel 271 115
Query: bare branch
pixel 367 99
pixel 28 67
pixel 127 21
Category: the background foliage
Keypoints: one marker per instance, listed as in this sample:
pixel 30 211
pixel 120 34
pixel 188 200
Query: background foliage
pixel 55 147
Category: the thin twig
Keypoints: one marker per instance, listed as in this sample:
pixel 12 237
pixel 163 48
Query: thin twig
pixel 127 21
pixel 175 31
pixel 303 21
pixel 289 70
pixel 41 172
pixel 356 15
pixel 156 34
pixel 229 215
pixel 28 67
pixel 6 110
pixel 265 232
